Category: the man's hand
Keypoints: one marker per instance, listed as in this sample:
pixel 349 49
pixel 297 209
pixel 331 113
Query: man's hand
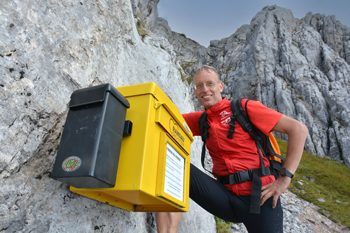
pixel 274 189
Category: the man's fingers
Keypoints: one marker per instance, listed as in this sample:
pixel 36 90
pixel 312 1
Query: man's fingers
pixel 263 188
pixel 274 189
pixel 274 202
pixel 264 196
pixel 267 192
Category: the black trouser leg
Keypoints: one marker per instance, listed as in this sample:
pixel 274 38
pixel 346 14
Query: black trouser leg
pixel 216 199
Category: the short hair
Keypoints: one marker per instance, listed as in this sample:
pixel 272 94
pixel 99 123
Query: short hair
pixel 207 68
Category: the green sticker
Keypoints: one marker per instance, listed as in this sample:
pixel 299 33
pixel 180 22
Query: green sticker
pixel 71 164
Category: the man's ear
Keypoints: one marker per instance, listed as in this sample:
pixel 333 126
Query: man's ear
pixel 194 92
pixel 221 86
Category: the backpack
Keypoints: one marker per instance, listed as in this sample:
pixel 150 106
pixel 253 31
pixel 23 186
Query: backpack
pixel 266 145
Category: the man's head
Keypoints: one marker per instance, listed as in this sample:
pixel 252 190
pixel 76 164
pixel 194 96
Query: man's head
pixel 207 86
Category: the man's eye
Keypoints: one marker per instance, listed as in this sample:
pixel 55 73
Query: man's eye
pixel 210 84
pixel 199 86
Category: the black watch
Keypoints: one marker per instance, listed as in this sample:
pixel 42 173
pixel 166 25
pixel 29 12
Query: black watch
pixel 285 172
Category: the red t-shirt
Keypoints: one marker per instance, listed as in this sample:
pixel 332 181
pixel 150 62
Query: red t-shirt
pixel 240 152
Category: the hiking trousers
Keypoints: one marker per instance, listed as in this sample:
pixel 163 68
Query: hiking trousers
pixel 215 198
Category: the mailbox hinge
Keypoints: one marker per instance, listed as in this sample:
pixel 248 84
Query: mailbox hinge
pixel 157 104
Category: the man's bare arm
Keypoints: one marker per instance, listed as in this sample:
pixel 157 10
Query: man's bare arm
pixel 297 133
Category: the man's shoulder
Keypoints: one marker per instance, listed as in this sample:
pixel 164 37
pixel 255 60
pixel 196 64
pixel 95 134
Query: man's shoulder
pixel 193 114
pixel 192 121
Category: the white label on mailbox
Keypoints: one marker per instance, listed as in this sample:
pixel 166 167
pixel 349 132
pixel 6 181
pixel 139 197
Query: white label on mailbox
pixel 174 173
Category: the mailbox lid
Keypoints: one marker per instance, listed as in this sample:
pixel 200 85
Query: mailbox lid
pixel 95 94
pixel 163 102
pixel 142 89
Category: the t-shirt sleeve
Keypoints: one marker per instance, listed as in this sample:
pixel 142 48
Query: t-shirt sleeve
pixel 262 117
pixel 192 121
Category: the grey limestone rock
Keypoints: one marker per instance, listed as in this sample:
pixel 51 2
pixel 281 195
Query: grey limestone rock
pixel 48 50
pixel 333 33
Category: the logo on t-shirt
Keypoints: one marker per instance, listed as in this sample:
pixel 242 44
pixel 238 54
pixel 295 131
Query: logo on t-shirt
pixel 225 117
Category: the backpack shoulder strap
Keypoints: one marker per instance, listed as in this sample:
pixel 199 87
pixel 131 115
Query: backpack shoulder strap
pixel 203 125
pixel 204 130
pixel 242 117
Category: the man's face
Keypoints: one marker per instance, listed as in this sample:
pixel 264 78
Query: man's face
pixel 207 96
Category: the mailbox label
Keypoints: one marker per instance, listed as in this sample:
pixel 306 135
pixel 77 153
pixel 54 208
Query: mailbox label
pixel 175 132
pixel 174 173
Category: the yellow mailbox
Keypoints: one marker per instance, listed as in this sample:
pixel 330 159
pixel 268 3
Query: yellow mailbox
pixel 154 162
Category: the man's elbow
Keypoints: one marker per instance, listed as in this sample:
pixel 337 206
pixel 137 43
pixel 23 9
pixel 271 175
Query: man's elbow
pixel 301 129
pixel 291 127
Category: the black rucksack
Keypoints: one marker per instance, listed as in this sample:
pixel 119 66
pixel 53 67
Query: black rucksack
pixel 266 144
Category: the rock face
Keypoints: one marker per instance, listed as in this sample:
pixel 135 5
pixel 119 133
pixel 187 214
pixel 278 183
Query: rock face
pixel 332 32
pixel 298 67
pixel 48 50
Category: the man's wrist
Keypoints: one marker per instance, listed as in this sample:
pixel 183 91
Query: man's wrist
pixel 285 172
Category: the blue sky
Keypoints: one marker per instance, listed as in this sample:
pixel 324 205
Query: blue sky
pixel 205 20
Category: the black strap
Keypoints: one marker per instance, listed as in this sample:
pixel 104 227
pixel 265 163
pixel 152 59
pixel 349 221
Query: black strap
pixel 241 117
pixel 272 151
pixel 255 195
pixel 203 156
pixel 204 129
pixel 243 176
pixel 204 126
pixel 260 150
pixel 231 130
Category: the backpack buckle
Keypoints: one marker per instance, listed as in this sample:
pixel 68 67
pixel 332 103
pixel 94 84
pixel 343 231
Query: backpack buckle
pixel 232 179
pixel 249 127
pixel 245 176
pixel 236 178
pixel 231 130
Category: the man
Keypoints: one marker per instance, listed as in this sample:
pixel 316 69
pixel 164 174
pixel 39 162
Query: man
pixel 231 202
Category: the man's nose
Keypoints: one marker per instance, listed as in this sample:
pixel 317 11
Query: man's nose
pixel 205 88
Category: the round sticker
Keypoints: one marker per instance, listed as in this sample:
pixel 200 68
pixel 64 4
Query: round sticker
pixel 71 164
